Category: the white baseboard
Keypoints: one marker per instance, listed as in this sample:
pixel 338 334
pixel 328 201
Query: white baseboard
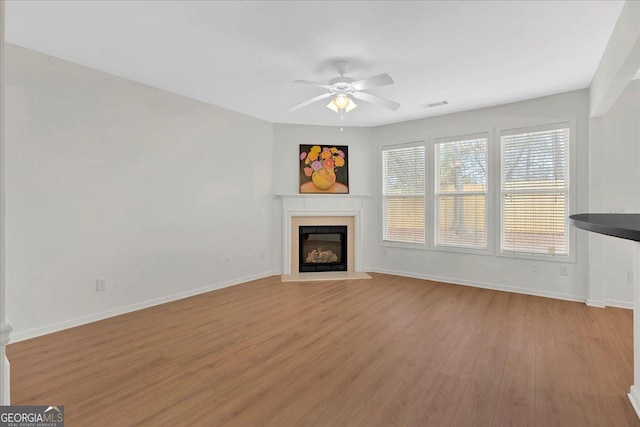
pixel 595 303
pixel 618 304
pixel 36 332
pixel 634 398
pixel 483 285
pixel 5 380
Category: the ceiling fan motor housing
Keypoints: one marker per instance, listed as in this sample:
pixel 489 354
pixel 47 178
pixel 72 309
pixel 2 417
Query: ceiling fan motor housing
pixel 341 84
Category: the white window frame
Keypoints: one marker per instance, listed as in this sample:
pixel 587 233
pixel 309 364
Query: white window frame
pixel 489 229
pixel 427 231
pixel 498 231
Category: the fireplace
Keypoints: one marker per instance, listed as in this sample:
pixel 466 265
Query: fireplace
pixel 322 248
pixel 300 210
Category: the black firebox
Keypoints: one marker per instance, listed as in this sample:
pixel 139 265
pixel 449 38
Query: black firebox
pixel 322 248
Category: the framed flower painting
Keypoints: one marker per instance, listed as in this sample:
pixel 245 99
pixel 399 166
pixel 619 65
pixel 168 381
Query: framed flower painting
pixel 324 169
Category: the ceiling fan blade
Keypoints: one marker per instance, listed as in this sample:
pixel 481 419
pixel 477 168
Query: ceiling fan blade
pixel 379 80
pixel 307 82
pixel 309 101
pixel 372 99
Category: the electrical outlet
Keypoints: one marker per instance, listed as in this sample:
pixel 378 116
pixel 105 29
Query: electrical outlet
pixel 630 277
pixel 101 285
pixel 564 270
pixel 261 255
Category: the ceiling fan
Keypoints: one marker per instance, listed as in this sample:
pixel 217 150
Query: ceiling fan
pixel 342 89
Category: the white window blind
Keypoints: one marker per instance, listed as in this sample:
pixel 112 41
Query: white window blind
pixel 403 194
pixel 461 189
pixel 535 191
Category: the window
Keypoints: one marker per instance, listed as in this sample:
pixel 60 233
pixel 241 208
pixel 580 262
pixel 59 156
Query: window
pixel 460 192
pixel 403 194
pixel 535 191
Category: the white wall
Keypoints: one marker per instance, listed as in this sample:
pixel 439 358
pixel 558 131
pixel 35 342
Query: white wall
pixel 615 168
pixel 111 179
pixel 490 270
pixel 362 170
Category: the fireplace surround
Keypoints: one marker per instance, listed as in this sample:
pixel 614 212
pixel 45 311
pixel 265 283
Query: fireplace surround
pixel 320 221
pixel 322 210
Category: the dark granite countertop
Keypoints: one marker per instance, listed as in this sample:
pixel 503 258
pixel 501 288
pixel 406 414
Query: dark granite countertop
pixel 625 226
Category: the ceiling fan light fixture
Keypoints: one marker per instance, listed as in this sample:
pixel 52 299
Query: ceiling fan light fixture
pixel 332 106
pixel 351 105
pixel 341 103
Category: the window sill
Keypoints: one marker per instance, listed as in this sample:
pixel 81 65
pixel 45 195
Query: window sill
pixel 463 250
pixel 400 245
pixel 538 257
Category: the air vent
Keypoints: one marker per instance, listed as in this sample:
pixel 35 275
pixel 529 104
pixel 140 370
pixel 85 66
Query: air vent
pixel 435 104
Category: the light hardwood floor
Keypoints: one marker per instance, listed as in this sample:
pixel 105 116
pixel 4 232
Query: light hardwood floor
pixel 384 351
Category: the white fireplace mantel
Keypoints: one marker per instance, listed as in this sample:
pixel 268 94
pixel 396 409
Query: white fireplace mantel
pixel 322 205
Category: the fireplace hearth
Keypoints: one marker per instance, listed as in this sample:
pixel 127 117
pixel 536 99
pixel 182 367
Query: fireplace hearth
pixel 322 248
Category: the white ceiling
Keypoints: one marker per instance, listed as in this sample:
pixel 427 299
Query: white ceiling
pixel 245 55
